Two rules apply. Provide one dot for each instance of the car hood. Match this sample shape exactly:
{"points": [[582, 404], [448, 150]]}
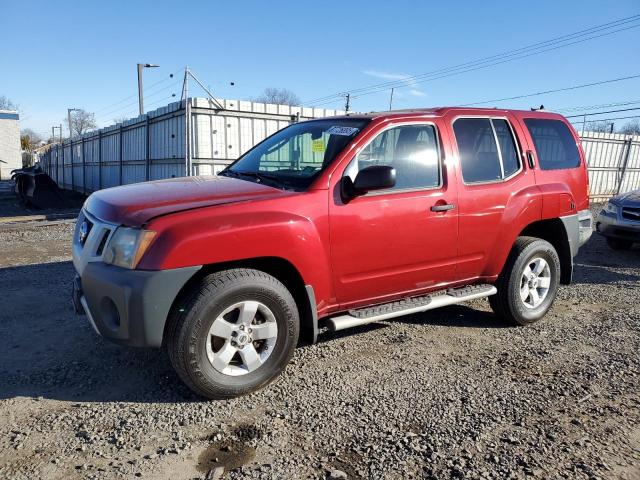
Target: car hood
{"points": [[629, 199], [134, 205]]}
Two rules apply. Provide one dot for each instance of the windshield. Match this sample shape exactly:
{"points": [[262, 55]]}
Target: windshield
{"points": [[295, 155]]}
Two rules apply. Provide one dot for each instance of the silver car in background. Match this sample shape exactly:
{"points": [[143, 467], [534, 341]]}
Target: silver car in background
{"points": [[619, 220]]}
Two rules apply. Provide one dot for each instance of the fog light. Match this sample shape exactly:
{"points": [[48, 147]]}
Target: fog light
{"points": [[110, 314]]}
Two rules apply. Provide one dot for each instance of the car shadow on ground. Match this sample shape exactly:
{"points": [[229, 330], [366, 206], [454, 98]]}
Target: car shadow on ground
{"points": [[590, 269], [47, 351]]}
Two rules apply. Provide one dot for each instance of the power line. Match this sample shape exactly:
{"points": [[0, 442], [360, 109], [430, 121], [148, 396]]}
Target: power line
{"points": [[133, 113], [607, 119], [574, 87], [503, 61], [478, 64], [602, 113], [112, 112], [523, 52], [135, 95], [593, 107]]}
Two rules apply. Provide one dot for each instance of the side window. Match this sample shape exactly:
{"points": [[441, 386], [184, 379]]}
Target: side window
{"points": [[507, 146], [487, 149], [555, 146], [411, 149]]}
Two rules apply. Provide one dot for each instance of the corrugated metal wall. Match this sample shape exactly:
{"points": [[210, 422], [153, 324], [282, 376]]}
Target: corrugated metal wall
{"points": [[152, 146]]}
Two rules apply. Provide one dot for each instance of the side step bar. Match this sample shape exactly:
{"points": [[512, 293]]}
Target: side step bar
{"points": [[384, 312]]}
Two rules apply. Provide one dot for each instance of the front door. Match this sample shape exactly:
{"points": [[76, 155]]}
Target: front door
{"points": [[402, 240]]}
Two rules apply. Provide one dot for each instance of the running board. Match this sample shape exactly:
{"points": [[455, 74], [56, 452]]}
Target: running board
{"points": [[408, 306]]}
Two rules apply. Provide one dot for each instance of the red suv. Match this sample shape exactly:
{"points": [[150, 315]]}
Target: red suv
{"points": [[336, 222]]}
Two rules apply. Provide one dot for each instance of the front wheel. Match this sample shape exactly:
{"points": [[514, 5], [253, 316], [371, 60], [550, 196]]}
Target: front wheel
{"points": [[233, 334], [528, 283]]}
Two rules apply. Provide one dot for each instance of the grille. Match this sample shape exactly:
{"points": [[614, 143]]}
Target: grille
{"points": [[96, 237], [631, 213]]}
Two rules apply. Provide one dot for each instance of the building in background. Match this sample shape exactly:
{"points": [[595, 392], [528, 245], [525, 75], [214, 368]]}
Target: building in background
{"points": [[10, 156]]}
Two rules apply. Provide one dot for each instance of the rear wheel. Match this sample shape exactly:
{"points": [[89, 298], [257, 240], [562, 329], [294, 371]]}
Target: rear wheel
{"points": [[619, 243], [233, 334], [528, 283]]}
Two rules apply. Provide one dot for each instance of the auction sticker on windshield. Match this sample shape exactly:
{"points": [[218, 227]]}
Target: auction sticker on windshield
{"points": [[317, 145], [345, 131]]}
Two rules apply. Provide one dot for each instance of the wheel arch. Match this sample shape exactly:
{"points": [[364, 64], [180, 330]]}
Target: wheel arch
{"points": [[554, 231], [277, 267]]}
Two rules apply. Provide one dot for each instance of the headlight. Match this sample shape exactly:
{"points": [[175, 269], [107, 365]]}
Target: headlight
{"points": [[611, 208], [127, 245]]}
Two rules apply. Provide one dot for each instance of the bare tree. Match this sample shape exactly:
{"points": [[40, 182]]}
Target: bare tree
{"points": [[598, 126], [279, 96], [120, 119], [6, 104], [632, 127], [29, 140], [81, 122]]}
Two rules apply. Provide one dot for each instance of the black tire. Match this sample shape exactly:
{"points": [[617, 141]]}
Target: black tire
{"points": [[507, 303], [619, 243], [192, 317]]}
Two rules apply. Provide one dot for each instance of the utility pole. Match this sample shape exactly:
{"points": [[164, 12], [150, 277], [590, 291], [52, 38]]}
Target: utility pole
{"points": [[346, 105], [611, 129], [140, 67], [185, 84], [69, 110], [53, 133], [187, 114], [391, 99]]}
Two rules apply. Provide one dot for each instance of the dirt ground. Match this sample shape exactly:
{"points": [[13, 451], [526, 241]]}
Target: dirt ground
{"points": [[450, 393]]}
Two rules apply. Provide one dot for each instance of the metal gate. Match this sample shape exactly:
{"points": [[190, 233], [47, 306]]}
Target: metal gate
{"points": [[613, 162]]}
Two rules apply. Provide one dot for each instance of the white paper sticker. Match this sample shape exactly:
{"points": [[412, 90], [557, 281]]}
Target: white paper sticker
{"points": [[345, 131]]}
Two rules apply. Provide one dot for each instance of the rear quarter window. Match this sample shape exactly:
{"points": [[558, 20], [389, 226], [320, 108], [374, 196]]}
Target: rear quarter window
{"points": [[556, 147]]}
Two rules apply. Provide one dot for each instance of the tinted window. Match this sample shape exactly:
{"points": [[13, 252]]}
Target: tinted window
{"points": [[481, 158], [478, 151], [555, 146], [411, 149], [507, 146]]}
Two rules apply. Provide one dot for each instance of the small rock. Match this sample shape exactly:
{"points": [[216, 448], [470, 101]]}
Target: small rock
{"points": [[215, 473], [337, 474]]}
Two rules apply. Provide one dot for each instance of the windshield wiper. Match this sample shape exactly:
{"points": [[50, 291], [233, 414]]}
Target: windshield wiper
{"points": [[261, 177]]}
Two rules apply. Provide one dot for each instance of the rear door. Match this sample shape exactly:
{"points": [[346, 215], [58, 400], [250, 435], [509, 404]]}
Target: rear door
{"points": [[492, 191], [393, 242]]}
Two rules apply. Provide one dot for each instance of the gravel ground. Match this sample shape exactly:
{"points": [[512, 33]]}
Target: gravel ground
{"points": [[450, 393]]}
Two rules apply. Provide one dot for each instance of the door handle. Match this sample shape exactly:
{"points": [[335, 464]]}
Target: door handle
{"points": [[530, 159], [443, 208]]}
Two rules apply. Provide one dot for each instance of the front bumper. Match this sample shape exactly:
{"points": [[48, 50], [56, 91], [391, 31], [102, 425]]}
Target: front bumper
{"points": [[129, 307], [611, 225]]}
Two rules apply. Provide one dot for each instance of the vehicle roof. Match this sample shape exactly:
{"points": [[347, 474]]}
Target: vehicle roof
{"points": [[441, 111]]}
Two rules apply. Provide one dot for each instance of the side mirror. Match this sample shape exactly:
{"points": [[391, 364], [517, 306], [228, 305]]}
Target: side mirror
{"points": [[376, 177]]}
